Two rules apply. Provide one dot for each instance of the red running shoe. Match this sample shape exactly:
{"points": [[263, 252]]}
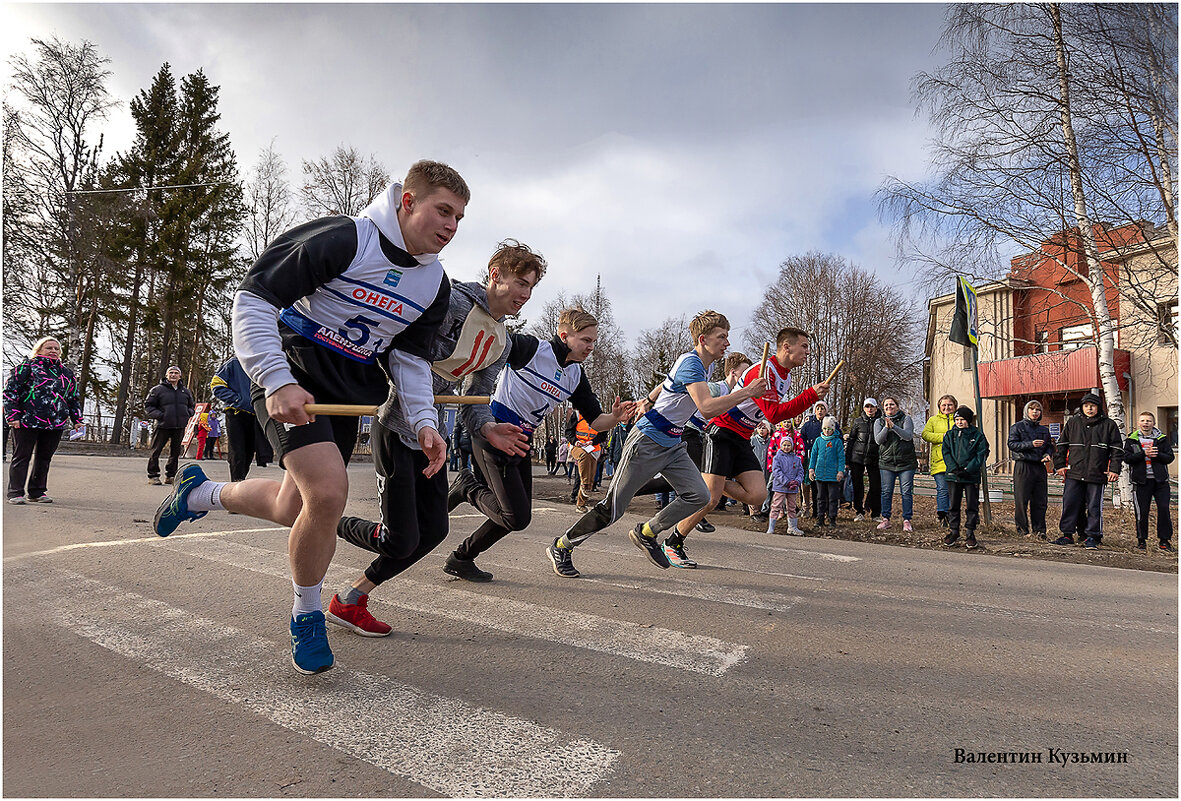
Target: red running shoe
{"points": [[356, 617]]}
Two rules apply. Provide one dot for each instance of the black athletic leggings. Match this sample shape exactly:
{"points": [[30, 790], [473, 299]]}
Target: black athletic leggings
{"points": [[505, 497], [413, 509]]}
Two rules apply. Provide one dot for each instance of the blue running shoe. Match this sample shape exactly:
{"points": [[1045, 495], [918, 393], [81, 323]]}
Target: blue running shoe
{"points": [[175, 509], [309, 644]]}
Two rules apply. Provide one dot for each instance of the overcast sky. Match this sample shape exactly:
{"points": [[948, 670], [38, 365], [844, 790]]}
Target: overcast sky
{"points": [[682, 151]]}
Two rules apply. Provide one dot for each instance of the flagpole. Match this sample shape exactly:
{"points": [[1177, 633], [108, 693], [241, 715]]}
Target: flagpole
{"points": [[986, 501]]}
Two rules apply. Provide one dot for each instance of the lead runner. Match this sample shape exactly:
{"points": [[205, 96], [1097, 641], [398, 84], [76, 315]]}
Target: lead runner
{"points": [[323, 305]]}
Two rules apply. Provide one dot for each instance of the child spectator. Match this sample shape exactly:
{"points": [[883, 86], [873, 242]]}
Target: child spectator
{"points": [[826, 467], [1032, 449], [787, 475], [1088, 455], [965, 452], [1148, 454]]}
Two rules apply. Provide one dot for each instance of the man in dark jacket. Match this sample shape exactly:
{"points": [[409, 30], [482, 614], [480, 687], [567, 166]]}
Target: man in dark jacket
{"points": [[1032, 449], [1088, 455], [171, 405], [247, 440], [861, 453], [965, 453], [1148, 454]]}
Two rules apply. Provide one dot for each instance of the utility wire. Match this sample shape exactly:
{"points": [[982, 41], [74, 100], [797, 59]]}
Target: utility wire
{"points": [[145, 188]]}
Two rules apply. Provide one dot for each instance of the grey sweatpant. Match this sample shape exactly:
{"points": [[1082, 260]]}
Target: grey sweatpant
{"points": [[642, 459]]}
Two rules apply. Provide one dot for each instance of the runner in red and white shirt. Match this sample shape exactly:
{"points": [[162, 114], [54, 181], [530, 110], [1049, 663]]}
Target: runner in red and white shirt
{"points": [[729, 466]]}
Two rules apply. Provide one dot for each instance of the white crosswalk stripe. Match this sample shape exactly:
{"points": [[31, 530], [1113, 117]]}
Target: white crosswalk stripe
{"points": [[676, 649], [443, 744]]}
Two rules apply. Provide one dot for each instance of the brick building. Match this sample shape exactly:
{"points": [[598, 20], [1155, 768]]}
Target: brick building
{"points": [[1037, 340]]}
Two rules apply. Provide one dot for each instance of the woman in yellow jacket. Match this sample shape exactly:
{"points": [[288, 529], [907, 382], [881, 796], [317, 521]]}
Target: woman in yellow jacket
{"points": [[938, 425]]}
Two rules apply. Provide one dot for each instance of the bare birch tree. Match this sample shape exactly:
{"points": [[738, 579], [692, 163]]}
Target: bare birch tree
{"points": [[1050, 119]]}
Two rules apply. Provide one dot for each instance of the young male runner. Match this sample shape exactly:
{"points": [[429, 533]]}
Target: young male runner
{"points": [[654, 445], [323, 305], [538, 376], [472, 344], [730, 464], [735, 366]]}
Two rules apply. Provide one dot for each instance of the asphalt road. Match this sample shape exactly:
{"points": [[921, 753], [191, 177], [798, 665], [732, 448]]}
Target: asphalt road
{"points": [[782, 667]]}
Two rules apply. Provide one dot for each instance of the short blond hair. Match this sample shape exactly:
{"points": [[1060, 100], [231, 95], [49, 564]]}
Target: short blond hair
{"points": [[705, 322], [576, 319], [33, 352], [426, 175]]}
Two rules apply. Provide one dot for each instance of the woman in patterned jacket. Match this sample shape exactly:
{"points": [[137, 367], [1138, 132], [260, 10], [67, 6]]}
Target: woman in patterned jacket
{"points": [[40, 401]]}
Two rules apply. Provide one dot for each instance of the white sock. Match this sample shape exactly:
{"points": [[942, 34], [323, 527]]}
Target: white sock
{"points": [[307, 599], [206, 497]]}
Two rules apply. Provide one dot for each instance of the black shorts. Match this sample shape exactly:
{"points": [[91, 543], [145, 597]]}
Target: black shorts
{"points": [[728, 454], [330, 379]]}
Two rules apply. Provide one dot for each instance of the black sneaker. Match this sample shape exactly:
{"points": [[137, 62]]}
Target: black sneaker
{"points": [[970, 542], [1065, 539], [465, 569], [560, 558], [650, 546], [1041, 535], [1091, 544], [706, 527], [949, 539], [1141, 545], [1166, 546], [459, 489]]}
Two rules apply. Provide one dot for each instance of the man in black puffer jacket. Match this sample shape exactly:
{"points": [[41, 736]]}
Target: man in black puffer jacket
{"points": [[1088, 455], [861, 456], [171, 405], [1032, 449]]}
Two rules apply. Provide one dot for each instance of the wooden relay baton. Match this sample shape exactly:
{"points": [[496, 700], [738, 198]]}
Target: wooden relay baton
{"points": [[763, 364], [833, 374], [351, 410]]}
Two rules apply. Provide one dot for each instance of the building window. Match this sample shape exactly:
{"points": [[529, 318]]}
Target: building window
{"points": [[1043, 341], [1076, 336], [967, 357], [1166, 316]]}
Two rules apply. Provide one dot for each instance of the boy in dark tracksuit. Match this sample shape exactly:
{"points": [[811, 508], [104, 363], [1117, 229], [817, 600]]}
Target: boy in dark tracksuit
{"points": [[1032, 448], [1148, 454], [1088, 455], [965, 452]]}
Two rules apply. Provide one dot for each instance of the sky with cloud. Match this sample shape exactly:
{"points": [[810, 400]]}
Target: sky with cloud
{"points": [[679, 151]]}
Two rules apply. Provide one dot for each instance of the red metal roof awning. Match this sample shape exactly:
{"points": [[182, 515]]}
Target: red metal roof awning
{"points": [[1043, 373]]}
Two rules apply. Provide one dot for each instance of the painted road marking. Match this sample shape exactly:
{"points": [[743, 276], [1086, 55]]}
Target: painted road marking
{"points": [[686, 589], [677, 649], [830, 557], [109, 543], [443, 744]]}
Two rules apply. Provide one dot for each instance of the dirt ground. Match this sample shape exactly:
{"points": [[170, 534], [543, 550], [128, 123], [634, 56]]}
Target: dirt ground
{"points": [[999, 538]]}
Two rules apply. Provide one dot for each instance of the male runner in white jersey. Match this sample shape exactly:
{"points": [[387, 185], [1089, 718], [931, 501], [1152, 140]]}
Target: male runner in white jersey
{"points": [[325, 305], [539, 375], [736, 365], [654, 446], [730, 465], [471, 347]]}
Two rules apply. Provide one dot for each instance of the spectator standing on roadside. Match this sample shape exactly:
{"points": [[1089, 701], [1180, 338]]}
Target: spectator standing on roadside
{"points": [[246, 438], [965, 454], [1148, 454], [551, 456], [861, 456], [171, 405], [787, 476], [897, 460], [759, 442], [1088, 455], [810, 431], [933, 432], [826, 469], [40, 402], [564, 458], [213, 438], [1033, 451]]}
